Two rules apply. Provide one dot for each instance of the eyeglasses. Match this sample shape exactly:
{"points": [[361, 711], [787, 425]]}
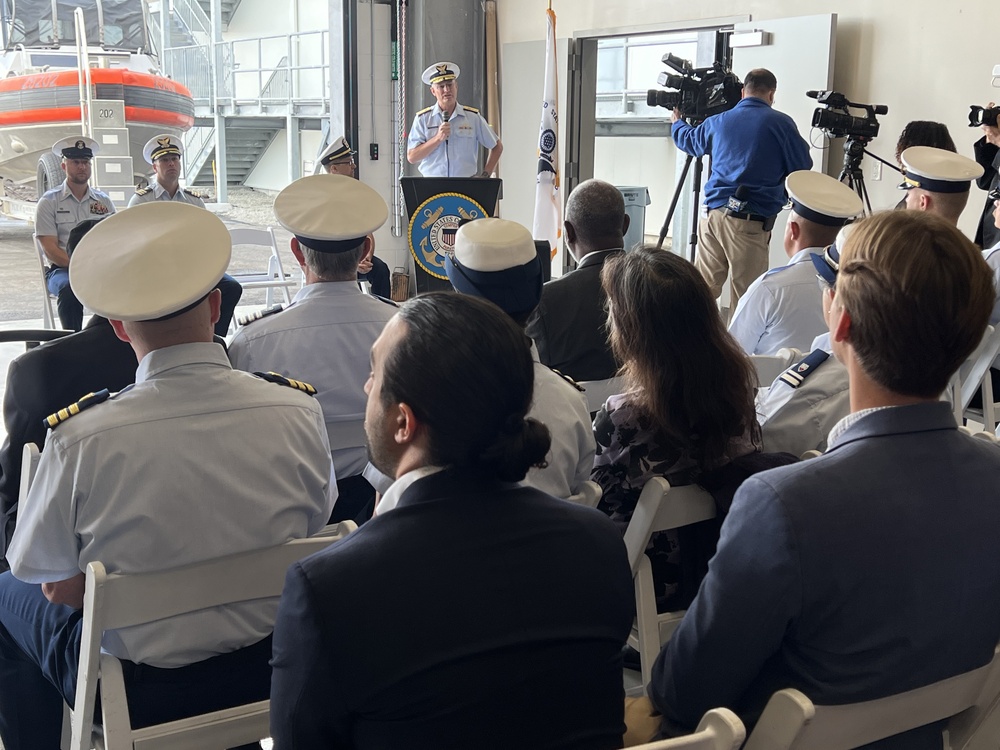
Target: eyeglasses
{"points": [[994, 194]]}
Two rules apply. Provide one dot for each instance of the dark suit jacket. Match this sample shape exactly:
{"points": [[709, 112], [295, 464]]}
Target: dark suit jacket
{"points": [[569, 325], [869, 571], [474, 614], [48, 378]]}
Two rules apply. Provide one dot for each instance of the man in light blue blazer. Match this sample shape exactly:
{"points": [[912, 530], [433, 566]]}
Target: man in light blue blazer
{"points": [[873, 569]]}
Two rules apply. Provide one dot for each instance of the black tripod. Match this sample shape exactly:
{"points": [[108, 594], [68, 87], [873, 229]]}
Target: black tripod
{"points": [[852, 174], [696, 190]]}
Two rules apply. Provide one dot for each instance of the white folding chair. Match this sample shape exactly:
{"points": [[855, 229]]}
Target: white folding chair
{"points": [[598, 391], [719, 729], [120, 600], [272, 278], [973, 375], [589, 494], [48, 312], [768, 367], [792, 722], [660, 507]]}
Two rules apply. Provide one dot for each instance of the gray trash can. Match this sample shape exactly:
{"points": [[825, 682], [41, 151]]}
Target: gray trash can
{"points": [[636, 200]]}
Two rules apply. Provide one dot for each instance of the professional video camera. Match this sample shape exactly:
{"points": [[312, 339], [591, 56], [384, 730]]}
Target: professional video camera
{"points": [[837, 122], [983, 116], [701, 92]]}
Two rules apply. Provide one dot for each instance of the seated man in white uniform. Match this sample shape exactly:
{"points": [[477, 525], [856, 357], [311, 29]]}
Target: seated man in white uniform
{"points": [[193, 462], [496, 259], [804, 403], [938, 181], [326, 334], [782, 307]]}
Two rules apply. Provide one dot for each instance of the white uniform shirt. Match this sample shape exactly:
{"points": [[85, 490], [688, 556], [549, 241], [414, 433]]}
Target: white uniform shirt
{"points": [[796, 420], [459, 155], [195, 461], [323, 338], [781, 309], [58, 211], [563, 409], [156, 192]]}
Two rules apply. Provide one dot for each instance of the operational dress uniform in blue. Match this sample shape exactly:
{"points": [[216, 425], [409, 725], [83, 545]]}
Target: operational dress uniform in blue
{"points": [[459, 155], [193, 462], [56, 213], [326, 334], [802, 405]]}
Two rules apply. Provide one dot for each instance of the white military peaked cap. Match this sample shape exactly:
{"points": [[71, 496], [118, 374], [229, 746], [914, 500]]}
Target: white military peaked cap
{"points": [[339, 149], [442, 71], [822, 199], [162, 145], [152, 261], [937, 170], [330, 213]]}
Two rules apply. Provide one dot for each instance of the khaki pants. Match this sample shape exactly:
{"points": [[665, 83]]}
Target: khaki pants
{"points": [[725, 242]]}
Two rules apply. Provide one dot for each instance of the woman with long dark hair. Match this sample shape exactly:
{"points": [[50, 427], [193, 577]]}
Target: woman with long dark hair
{"points": [[688, 404]]}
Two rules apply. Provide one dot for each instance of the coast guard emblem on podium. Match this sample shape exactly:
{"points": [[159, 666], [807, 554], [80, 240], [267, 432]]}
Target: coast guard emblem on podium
{"points": [[433, 228]]}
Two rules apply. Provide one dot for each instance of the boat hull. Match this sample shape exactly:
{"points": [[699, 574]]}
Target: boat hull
{"points": [[39, 109]]}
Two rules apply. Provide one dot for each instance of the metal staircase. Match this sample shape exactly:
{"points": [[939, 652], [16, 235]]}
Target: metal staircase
{"points": [[247, 138], [228, 9]]}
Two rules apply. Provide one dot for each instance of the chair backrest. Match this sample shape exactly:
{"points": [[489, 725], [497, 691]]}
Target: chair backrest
{"points": [[768, 367], [719, 729], [48, 315], [589, 494], [791, 722], [29, 465], [598, 391], [273, 277], [120, 600], [32, 337], [973, 371], [660, 507]]}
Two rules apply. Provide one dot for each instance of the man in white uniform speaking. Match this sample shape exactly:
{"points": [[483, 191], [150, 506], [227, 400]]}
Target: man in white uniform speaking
{"points": [[445, 139], [193, 462]]}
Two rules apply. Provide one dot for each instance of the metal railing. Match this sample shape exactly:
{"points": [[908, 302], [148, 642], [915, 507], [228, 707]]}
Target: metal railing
{"points": [[301, 73]]}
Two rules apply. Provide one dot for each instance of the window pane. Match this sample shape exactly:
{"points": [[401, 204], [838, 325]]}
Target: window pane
{"points": [[610, 69]]}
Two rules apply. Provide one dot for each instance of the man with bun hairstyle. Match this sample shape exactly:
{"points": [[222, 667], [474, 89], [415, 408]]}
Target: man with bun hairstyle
{"points": [[193, 462], [822, 580], [471, 611]]}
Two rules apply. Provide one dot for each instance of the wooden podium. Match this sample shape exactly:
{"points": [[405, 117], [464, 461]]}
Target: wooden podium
{"points": [[436, 207]]}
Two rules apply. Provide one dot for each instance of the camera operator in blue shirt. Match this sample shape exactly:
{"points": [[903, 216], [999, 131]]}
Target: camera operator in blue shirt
{"points": [[753, 149]]}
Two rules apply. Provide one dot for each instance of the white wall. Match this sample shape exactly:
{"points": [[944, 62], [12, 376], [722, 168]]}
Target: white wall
{"points": [[648, 162], [374, 55], [925, 59], [271, 172]]}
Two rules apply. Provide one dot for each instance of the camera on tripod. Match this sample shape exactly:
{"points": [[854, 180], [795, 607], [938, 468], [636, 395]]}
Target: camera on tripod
{"points": [[983, 116], [837, 122], [701, 92]]}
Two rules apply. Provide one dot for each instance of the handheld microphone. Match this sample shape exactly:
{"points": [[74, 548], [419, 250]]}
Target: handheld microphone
{"points": [[445, 116], [738, 202]]}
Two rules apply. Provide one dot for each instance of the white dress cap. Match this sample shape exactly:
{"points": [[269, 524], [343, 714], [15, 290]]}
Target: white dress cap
{"points": [[937, 170], [161, 145], [487, 245], [442, 71], [76, 147], [338, 149], [330, 208], [150, 261], [822, 199]]}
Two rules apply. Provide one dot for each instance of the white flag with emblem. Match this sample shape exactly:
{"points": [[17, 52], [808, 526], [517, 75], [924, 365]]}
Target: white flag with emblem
{"points": [[548, 201]]}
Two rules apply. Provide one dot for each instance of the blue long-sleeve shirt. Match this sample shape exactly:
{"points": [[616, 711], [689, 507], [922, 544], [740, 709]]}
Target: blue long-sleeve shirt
{"points": [[753, 145]]}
